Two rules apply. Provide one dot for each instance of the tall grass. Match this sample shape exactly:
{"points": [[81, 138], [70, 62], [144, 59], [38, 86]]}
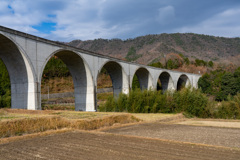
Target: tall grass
{"points": [[31, 125], [190, 101], [140, 102], [34, 125]]}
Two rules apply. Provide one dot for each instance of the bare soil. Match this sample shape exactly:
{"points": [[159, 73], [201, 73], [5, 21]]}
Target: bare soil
{"points": [[217, 136], [212, 123], [170, 137], [88, 145]]}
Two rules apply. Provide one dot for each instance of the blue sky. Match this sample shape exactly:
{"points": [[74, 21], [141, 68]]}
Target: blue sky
{"points": [[66, 20]]}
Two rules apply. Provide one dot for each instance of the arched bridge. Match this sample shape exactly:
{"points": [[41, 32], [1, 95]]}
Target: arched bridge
{"points": [[26, 56]]}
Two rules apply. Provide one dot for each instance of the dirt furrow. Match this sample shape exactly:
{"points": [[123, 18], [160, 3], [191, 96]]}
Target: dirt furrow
{"points": [[93, 145]]}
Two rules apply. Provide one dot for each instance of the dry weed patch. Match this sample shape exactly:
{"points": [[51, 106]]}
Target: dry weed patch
{"points": [[58, 120], [103, 122], [153, 117], [31, 125]]}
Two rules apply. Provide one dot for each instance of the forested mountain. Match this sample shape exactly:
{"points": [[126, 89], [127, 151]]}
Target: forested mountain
{"points": [[152, 48]]}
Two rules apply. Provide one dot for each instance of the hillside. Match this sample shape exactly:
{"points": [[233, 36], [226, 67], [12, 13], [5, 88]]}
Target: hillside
{"points": [[152, 48]]}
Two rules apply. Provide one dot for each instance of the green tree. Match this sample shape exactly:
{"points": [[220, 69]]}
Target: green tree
{"points": [[204, 83], [132, 54], [210, 83], [5, 87], [199, 62], [228, 86], [55, 68], [172, 64], [135, 83], [157, 65], [210, 64], [186, 61], [237, 77]]}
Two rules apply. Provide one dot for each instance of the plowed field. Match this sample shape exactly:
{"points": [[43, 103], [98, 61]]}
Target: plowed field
{"points": [[94, 145], [217, 136]]}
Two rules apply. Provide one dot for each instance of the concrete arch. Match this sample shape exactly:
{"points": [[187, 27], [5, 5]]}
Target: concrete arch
{"points": [[118, 77], [144, 77], [166, 81], [24, 94], [183, 81], [82, 79]]}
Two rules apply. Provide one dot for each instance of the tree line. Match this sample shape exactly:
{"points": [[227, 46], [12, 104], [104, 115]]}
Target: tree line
{"points": [[220, 84], [190, 102]]}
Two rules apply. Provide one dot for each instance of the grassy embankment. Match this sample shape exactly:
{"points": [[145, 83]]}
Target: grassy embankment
{"points": [[18, 122]]}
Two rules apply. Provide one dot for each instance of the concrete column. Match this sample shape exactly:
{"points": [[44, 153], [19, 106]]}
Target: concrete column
{"points": [[23, 88], [82, 79]]}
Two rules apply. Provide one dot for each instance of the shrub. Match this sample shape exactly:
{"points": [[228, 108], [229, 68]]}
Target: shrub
{"points": [[228, 110], [191, 101], [5, 87], [5, 100]]}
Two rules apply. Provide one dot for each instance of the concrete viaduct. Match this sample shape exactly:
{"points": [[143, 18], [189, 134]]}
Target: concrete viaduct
{"points": [[26, 56]]}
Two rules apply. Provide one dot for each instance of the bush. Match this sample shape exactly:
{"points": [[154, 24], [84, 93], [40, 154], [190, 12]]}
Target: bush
{"points": [[5, 100], [220, 83], [55, 68], [191, 101], [109, 106], [228, 110], [5, 87]]}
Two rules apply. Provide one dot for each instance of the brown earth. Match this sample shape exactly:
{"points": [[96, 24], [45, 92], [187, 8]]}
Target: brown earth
{"points": [[89, 145], [65, 84], [170, 137], [217, 136]]}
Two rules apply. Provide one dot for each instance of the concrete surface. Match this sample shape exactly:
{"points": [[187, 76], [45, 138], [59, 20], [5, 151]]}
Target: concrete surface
{"points": [[26, 56]]}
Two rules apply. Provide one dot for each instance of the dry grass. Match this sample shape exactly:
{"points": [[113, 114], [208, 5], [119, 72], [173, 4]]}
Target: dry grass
{"points": [[104, 81], [153, 117], [57, 85], [65, 84], [11, 114], [103, 122], [104, 96], [212, 122], [192, 69], [58, 107], [15, 122], [26, 122], [31, 125]]}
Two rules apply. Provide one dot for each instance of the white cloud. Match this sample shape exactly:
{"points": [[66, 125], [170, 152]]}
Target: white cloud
{"points": [[21, 15], [222, 24], [90, 19]]}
